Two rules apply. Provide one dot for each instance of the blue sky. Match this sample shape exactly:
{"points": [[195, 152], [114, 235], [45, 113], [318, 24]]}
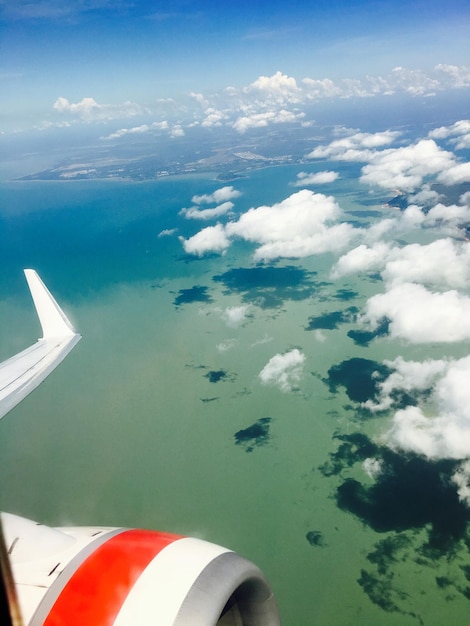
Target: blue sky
{"points": [[123, 50]]}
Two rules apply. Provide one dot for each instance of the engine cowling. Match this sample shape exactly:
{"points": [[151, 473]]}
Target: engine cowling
{"points": [[126, 577]]}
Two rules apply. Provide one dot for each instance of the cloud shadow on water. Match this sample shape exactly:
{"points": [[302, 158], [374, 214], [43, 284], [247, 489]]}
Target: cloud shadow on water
{"points": [[332, 320], [409, 494], [215, 376], [360, 378], [269, 286], [364, 337], [196, 293], [255, 435]]}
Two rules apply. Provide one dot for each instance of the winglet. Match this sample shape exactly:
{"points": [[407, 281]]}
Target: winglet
{"points": [[24, 371], [54, 322]]}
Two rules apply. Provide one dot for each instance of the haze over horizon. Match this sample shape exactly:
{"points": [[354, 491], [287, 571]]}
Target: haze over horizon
{"points": [[212, 63]]}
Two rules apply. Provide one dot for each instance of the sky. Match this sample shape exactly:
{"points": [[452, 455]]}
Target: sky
{"points": [[131, 54]]}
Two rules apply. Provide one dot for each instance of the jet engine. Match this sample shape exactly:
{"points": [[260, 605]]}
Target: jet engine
{"points": [[126, 577]]}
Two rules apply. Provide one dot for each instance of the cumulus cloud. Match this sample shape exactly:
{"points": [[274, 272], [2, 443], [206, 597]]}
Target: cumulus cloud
{"points": [[360, 259], [210, 239], [301, 225], [414, 82], [407, 376], [167, 232], [138, 130], [278, 87], [196, 213], [419, 315], [177, 131], [405, 168], [318, 178], [462, 479], [444, 262], [220, 195], [90, 110], [356, 147], [459, 134], [455, 175], [213, 118], [283, 370], [236, 315], [260, 120], [225, 346], [447, 434]]}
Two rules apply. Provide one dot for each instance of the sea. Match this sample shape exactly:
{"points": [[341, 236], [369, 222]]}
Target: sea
{"points": [[159, 419]]}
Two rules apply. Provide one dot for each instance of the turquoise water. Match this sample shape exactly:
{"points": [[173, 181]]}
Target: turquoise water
{"points": [[147, 422]]}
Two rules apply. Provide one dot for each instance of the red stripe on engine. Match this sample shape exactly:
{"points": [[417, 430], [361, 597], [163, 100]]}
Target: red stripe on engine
{"points": [[97, 590]]}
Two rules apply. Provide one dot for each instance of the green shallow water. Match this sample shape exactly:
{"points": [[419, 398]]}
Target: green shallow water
{"points": [[131, 431]]}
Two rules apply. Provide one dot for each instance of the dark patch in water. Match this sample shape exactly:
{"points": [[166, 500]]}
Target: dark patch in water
{"points": [[216, 376], [345, 295], [364, 337], [268, 286], [206, 400], [410, 492], [380, 591], [355, 447], [255, 435], [196, 293], [387, 552], [360, 377], [315, 538], [331, 321], [443, 582]]}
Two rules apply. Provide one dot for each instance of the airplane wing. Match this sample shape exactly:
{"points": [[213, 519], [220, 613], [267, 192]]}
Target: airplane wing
{"points": [[23, 372]]}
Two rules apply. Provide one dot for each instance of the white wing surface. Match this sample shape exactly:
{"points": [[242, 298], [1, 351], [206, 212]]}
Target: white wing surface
{"points": [[23, 372]]}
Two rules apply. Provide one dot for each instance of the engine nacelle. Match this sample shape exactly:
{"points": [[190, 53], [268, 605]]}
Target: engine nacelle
{"points": [[126, 577]]}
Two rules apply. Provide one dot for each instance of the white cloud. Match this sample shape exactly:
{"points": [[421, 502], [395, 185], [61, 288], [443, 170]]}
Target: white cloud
{"points": [[90, 110], [278, 87], [421, 316], [318, 178], [455, 175], [213, 118], [425, 196], [405, 168], [283, 370], [260, 120], [407, 376], [220, 195], [462, 479], [372, 467], [447, 215], [360, 259], [356, 147], [446, 435], [465, 199], [136, 130], [210, 239], [462, 127], [167, 232], [444, 262], [301, 225], [225, 346], [177, 131], [236, 315], [196, 213]]}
